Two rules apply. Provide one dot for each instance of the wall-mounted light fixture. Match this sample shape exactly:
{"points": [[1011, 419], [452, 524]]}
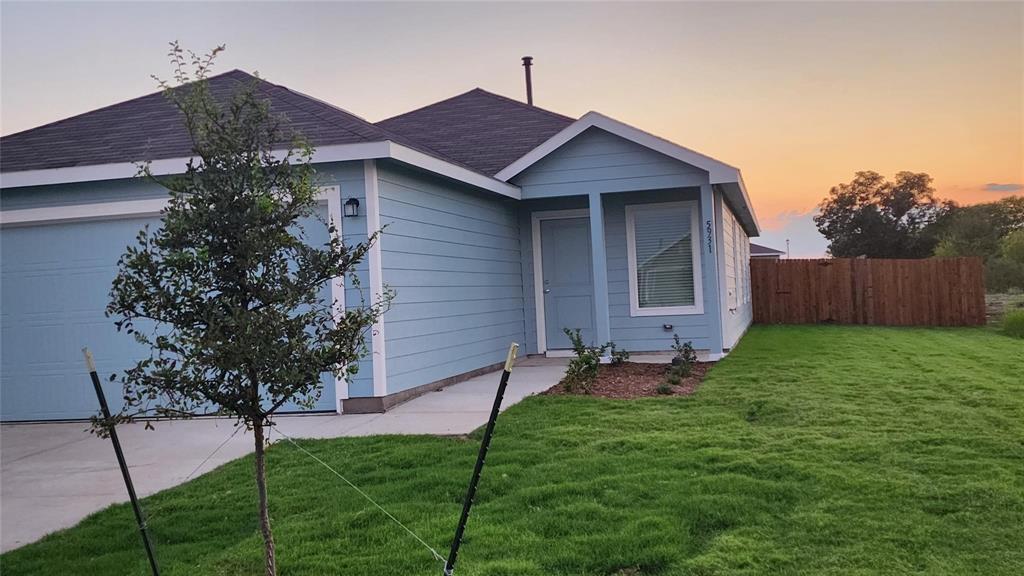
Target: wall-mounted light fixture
{"points": [[351, 207]]}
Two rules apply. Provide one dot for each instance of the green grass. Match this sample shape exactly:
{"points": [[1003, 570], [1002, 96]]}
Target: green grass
{"points": [[809, 450]]}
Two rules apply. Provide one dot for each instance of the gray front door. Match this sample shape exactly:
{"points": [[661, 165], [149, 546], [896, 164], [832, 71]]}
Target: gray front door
{"points": [[568, 281]]}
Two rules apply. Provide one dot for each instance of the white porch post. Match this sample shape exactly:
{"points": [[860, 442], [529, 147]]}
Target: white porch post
{"points": [[599, 265], [377, 340], [711, 237]]}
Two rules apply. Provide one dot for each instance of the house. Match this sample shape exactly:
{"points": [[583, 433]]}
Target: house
{"points": [[506, 222], [764, 252]]}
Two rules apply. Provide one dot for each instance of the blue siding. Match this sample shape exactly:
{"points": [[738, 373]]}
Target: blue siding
{"points": [[452, 256], [598, 161]]}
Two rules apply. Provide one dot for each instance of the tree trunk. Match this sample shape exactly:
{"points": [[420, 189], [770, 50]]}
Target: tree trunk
{"points": [[261, 487]]}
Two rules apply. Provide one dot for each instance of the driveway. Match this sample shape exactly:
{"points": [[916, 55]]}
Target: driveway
{"points": [[54, 475]]}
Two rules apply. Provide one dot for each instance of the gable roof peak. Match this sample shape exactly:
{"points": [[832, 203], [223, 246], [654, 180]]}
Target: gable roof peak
{"points": [[480, 129]]}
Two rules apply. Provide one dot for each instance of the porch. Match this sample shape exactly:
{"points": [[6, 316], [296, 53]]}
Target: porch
{"points": [[632, 267]]}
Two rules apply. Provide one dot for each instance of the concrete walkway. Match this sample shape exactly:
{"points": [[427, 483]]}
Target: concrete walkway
{"points": [[54, 475]]}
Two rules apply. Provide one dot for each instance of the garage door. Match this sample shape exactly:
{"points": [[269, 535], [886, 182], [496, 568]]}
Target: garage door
{"points": [[54, 286]]}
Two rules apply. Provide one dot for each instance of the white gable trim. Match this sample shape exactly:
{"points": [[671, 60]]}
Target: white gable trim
{"points": [[336, 153], [437, 166], [718, 172]]}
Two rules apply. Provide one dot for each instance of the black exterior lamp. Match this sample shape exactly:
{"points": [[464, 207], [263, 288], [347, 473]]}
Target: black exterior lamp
{"points": [[351, 208]]}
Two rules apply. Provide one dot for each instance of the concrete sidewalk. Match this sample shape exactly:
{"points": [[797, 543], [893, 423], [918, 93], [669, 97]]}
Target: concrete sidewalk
{"points": [[53, 475]]}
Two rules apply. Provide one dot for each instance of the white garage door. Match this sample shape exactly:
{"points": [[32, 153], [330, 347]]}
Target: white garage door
{"points": [[54, 286]]}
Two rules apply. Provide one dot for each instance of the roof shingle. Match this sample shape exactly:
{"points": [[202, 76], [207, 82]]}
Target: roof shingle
{"points": [[479, 129], [151, 128]]}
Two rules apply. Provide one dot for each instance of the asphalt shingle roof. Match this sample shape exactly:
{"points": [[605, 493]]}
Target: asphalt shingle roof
{"points": [[757, 249], [150, 128], [479, 129]]}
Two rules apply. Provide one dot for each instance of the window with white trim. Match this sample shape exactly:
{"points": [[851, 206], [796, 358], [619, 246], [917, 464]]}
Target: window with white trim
{"points": [[745, 264], [663, 249]]}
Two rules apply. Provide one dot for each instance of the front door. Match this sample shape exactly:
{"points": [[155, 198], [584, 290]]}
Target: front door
{"points": [[568, 280]]}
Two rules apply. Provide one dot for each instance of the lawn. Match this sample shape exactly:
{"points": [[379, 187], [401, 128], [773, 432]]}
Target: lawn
{"points": [[809, 450]]}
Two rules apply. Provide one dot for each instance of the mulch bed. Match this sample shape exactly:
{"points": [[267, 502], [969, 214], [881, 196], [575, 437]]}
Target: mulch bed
{"points": [[636, 380]]}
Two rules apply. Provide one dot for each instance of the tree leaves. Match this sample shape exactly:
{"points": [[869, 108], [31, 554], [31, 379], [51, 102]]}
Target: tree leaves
{"points": [[226, 294], [872, 217]]}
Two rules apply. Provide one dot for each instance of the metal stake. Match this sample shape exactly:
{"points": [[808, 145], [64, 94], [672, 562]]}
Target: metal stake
{"points": [[449, 566], [120, 460]]}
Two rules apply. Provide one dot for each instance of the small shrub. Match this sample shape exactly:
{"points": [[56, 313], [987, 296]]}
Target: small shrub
{"points": [[685, 357], [618, 356], [582, 370], [1013, 324], [674, 378], [664, 389]]}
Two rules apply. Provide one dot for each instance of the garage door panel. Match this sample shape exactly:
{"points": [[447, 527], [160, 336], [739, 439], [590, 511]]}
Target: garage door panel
{"points": [[55, 288], [32, 293]]}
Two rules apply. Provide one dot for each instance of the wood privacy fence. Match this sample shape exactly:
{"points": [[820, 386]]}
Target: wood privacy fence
{"points": [[930, 292]]}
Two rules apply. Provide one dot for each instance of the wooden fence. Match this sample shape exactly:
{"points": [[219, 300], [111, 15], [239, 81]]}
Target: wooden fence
{"points": [[931, 292]]}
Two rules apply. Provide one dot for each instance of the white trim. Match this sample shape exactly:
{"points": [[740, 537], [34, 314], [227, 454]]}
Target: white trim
{"points": [[719, 171], [334, 216], [538, 267], [335, 153], [695, 244], [98, 211], [437, 166], [378, 342], [165, 166], [72, 212]]}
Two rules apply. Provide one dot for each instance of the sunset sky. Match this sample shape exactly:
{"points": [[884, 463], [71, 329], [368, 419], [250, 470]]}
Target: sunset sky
{"points": [[797, 95]]}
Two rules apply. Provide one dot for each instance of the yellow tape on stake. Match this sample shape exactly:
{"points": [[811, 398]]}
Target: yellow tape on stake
{"points": [[512, 350]]}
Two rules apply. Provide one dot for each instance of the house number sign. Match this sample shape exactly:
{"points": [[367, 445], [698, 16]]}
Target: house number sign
{"points": [[708, 226]]}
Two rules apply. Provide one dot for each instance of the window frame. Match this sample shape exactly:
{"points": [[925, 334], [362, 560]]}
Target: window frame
{"points": [[695, 243]]}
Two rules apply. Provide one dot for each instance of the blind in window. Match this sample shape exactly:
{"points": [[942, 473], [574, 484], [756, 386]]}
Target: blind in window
{"points": [[664, 257]]}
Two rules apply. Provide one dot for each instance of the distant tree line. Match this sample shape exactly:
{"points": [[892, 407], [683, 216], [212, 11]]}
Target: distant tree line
{"points": [[873, 217]]}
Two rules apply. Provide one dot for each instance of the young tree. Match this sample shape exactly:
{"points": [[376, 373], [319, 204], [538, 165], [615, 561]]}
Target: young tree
{"points": [[227, 292], [873, 217]]}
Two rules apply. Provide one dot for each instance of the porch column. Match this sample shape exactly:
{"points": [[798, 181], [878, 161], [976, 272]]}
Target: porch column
{"points": [[711, 237], [599, 264]]}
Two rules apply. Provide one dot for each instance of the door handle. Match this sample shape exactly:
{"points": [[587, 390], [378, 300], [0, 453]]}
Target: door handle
{"points": [[547, 290]]}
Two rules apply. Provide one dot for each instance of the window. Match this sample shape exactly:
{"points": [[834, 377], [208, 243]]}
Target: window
{"points": [[730, 245], [662, 245], [745, 263]]}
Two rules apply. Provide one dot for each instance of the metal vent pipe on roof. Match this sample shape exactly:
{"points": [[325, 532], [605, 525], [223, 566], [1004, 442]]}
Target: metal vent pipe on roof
{"points": [[527, 63]]}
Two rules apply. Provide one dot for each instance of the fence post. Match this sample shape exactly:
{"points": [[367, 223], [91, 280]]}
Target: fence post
{"points": [[485, 444], [91, 365]]}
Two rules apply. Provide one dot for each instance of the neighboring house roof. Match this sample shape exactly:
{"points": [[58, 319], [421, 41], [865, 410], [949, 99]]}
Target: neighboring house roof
{"points": [[479, 129], [756, 250], [150, 128]]}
